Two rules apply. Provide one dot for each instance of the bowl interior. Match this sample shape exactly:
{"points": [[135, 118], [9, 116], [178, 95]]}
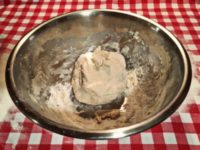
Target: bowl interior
{"points": [[44, 59]]}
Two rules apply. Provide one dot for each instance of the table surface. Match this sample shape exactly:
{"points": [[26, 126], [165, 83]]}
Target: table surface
{"points": [[180, 131]]}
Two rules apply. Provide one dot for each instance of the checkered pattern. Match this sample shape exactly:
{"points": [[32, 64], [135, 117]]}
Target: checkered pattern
{"points": [[180, 131]]}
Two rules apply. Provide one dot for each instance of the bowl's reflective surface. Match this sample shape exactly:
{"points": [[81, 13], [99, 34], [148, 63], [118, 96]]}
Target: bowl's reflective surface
{"points": [[77, 32]]}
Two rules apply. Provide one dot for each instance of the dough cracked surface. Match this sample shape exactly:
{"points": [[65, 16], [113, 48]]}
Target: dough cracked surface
{"points": [[99, 77]]}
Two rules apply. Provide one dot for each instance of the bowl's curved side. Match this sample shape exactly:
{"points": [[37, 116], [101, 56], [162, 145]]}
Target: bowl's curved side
{"points": [[100, 134]]}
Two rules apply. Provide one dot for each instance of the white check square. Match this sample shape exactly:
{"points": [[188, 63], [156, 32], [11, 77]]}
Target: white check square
{"points": [[189, 13], [79, 6], [38, 21], [140, 12], [168, 120], [44, 6], [16, 37], [177, 13], [53, 14], [193, 47], [13, 138], [25, 20], [101, 142], [181, 20], [175, 5], [193, 20], [186, 118], [2, 18], [125, 140], [56, 139], [13, 20], [21, 6], [167, 20], [147, 138], [29, 14], [78, 141], [152, 13], [170, 28], [8, 28], [19, 117], [150, 5], [162, 5], [6, 12], [126, 6], [91, 6], [115, 6], [11, 46], [197, 28], [187, 37], [197, 6], [186, 5], [155, 19], [21, 28], [68, 6], [32, 6], [18, 13], [170, 138], [56, 7], [192, 139], [35, 138], [164, 13], [183, 28], [103, 6], [197, 98], [42, 14], [138, 6]]}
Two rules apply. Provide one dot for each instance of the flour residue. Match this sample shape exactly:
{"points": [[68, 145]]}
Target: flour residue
{"points": [[60, 97]]}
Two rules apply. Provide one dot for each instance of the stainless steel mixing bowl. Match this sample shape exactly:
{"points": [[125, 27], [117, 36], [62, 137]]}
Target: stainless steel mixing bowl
{"points": [[74, 33]]}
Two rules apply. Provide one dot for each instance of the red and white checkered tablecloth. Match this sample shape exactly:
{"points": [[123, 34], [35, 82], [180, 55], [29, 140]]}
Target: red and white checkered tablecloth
{"points": [[180, 131]]}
